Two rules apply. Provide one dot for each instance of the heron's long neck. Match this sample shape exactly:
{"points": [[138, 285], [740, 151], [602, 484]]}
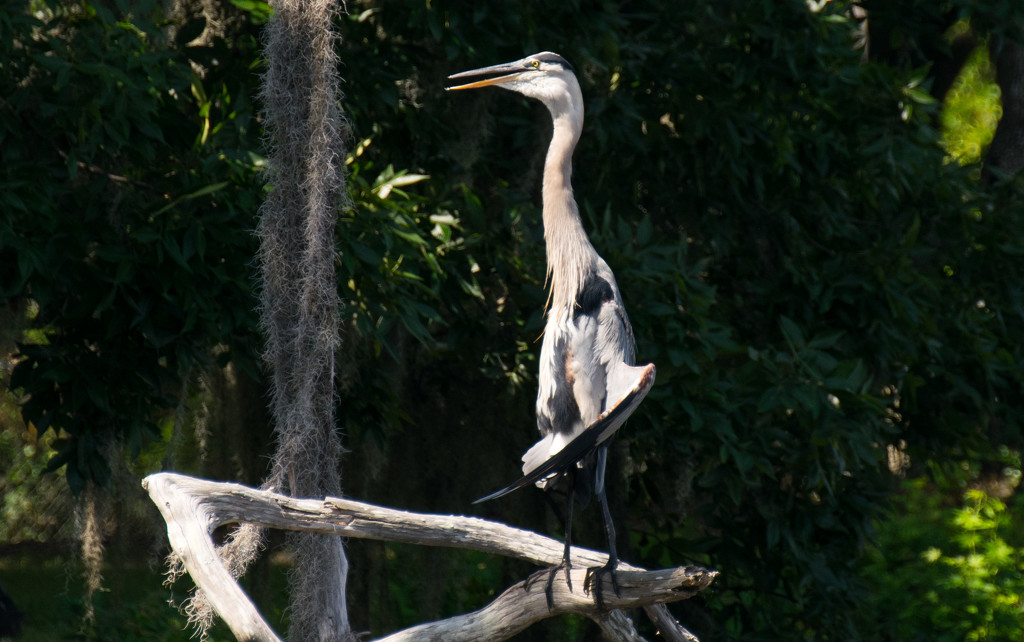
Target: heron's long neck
{"points": [[569, 252]]}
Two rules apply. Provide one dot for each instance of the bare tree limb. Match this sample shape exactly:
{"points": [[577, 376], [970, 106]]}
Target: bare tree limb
{"points": [[616, 625], [667, 626], [193, 508], [190, 521], [524, 603]]}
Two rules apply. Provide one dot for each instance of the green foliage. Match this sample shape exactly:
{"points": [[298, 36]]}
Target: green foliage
{"points": [[129, 181], [31, 508], [389, 251], [134, 607], [945, 571], [971, 110]]}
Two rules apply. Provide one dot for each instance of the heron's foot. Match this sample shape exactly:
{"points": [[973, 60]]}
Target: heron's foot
{"points": [[592, 582], [550, 583], [549, 588], [533, 578]]}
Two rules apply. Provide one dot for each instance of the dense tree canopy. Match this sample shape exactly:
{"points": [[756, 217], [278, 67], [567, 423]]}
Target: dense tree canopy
{"points": [[828, 299]]}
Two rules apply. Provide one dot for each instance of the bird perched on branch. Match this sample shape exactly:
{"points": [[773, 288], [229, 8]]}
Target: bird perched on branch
{"points": [[588, 383]]}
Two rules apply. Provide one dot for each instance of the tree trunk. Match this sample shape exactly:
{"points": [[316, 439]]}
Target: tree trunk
{"points": [[1006, 153]]}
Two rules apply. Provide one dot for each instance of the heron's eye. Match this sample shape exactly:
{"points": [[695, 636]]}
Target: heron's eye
{"points": [[535, 64]]}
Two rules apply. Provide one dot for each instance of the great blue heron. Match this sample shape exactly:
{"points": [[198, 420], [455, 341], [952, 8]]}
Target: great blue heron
{"points": [[588, 383]]}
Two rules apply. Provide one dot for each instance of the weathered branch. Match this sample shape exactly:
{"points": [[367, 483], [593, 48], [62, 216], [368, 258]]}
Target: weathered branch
{"points": [[190, 521], [525, 603], [193, 508]]}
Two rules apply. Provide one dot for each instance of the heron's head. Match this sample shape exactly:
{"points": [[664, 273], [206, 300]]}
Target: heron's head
{"points": [[545, 76]]}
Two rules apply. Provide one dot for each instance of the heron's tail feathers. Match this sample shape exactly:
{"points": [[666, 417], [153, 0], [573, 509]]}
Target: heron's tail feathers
{"points": [[538, 454], [586, 442]]}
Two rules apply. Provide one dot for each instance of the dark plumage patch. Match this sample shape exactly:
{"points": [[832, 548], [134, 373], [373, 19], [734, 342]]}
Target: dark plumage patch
{"points": [[554, 59], [596, 291], [544, 423], [565, 413]]}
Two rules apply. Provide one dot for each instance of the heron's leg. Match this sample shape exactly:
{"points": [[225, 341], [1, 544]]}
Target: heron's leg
{"points": [[566, 562], [609, 529], [593, 579]]}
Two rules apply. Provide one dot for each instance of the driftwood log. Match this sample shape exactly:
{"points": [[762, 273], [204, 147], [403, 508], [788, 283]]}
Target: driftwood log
{"points": [[193, 508]]}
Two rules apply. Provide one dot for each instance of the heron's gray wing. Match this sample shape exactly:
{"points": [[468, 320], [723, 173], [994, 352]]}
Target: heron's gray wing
{"points": [[597, 338], [586, 365], [593, 436]]}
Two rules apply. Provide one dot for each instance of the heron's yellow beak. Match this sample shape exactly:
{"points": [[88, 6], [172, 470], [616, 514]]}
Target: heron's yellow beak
{"points": [[512, 71], [484, 83]]}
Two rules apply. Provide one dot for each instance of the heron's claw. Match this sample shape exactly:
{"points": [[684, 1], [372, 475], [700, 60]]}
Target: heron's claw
{"points": [[592, 582], [550, 583]]}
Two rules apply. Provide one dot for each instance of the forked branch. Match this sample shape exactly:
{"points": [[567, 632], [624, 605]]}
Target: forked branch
{"points": [[524, 603], [193, 508]]}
